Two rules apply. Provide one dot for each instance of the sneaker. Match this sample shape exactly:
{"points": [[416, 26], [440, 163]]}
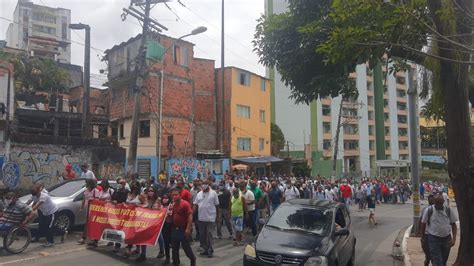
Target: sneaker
{"points": [[141, 258], [160, 255], [48, 245], [209, 255], [81, 241]]}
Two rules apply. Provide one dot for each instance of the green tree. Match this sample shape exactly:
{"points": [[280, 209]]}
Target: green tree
{"points": [[302, 170], [277, 139], [33, 73], [317, 43]]}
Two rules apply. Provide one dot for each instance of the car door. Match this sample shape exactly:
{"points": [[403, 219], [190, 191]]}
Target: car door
{"points": [[76, 205], [349, 243], [343, 250]]}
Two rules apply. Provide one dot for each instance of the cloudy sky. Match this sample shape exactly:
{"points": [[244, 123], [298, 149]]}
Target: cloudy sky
{"points": [[107, 28]]}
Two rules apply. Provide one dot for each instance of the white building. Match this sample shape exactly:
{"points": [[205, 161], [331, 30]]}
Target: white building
{"points": [[316, 124], [40, 30]]}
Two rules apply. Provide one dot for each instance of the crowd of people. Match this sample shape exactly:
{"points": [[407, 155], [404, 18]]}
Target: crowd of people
{"points": [[238, 202]]}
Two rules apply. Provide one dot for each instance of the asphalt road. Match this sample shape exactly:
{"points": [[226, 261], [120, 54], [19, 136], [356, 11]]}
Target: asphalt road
{"points": [[374, 245]]}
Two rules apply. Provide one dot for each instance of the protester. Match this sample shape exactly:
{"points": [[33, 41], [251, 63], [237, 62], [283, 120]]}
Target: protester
{"points": [[239, 211], [346, 193], [276, 197], [15, 213], [206, 203], [424, 237], [264, 204], [257, 193], [194, 191], [440, 223], [371, 202], [250, 202], [223, 214], [182, 228], [86, 173], [291, 192], [69, 173], [90, 193], [166, 230], [47, 213]]}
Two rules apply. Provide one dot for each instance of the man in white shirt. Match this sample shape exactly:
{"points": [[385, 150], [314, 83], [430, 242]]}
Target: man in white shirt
{"points": [[291, 192], [206, 204], [47, 211], [250, 201], [86, 173]]}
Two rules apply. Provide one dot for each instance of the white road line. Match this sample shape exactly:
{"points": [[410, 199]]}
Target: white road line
{"points": [[39, 256]]}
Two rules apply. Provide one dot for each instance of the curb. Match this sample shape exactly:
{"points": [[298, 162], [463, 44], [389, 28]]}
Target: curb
{"points": [[406, 257]]}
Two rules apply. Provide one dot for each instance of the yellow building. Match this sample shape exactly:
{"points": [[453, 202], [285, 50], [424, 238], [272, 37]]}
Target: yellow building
{"points": [[246, 113]]}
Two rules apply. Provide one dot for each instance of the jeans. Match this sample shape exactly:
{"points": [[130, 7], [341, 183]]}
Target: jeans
{"points": [[205, 232], [46, 226], [224, 214], [178, 239], [5, 227], [274, 206], [251, 222], [426, 249], [195, 221], [439, 249]]}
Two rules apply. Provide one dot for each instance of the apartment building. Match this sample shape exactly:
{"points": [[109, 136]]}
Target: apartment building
{"points": [[41, 31], [246, 113]]}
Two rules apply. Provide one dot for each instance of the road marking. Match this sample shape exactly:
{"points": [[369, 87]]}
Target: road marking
{"points": [[39, 257]]}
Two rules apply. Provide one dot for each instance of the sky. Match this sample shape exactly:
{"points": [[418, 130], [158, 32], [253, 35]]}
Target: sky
{"points": [[108, 29]]}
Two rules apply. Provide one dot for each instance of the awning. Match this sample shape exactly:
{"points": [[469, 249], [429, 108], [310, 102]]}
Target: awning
{"points": [[258, 160], [392, 163], [240, 167]]}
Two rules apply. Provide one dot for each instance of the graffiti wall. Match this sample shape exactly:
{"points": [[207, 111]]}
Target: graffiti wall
{"points": [[24, 165], [192, 168]]}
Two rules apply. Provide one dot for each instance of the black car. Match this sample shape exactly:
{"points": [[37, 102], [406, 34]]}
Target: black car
{"points": [[305, 232]]}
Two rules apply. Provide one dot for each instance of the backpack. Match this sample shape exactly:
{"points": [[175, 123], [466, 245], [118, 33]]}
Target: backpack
{"points": [[294, 190], [447, 210]]}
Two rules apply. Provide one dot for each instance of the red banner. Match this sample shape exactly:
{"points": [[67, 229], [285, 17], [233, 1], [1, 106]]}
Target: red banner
{"points": [[124, 223]]}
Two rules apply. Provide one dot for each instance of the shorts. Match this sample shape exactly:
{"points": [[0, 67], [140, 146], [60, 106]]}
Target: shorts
{"points": [[6, 226], [238, 223], [372, 210]]}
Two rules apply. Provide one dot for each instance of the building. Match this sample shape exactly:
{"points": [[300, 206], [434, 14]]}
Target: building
{"points": [[315, 125], [41, 31], [6, 74], [188, 102], [247, 113]]}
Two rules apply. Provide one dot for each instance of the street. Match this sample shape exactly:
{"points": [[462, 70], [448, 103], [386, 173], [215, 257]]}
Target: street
{"points": [[374, 245]]}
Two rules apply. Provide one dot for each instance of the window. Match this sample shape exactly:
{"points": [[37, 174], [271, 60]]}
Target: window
{"points": [[326, 127], [402, 106], [144, 168], [263, 84], [403, 145], [371, 130], [387, 144], [385, 88], [326, 144], [371, 115], [387, 131], [351, 145], [386, 117], [326, 110], [243, 111], [371, 145], [181, 55], [144, 128], [114, 132], [401, 80], [44, 29], [369, 86], [350, 129], [64, 28], [121, 135], [244, 78], [244, 144], [370, 101], [385, 103], [261, 144], [402, 132], [402, 119], [262, 116], [401, 93]]}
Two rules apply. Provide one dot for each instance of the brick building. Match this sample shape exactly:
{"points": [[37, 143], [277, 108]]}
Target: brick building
{"points": [[189, 116]]}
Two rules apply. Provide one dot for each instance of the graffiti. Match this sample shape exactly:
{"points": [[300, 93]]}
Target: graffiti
{"points": [[192, 168], [11, 175], [23, 168]]}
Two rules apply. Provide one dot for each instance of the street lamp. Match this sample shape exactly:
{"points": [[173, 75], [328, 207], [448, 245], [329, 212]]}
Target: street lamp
{"points": [[196, 31], [86, 82]]}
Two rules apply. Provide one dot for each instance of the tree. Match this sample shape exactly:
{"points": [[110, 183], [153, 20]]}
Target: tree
{"points": [[302, 170], [34, 73], [277, 139], [325, 40]]}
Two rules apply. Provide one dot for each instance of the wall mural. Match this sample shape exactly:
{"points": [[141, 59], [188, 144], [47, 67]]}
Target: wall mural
{"points": [[192, 168]]}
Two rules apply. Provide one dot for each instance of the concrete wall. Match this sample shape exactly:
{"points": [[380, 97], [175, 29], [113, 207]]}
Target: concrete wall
{"points": [[22, 165]]}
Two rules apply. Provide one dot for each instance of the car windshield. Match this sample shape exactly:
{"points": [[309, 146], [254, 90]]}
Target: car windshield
{"points": [[301, 218], [67, 189]]}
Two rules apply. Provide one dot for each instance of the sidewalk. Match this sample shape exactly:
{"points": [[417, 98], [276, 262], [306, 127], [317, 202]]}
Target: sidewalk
{"points": [[414, 253]]}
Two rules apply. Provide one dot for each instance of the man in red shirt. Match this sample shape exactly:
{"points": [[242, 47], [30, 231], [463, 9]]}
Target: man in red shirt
{"points": [[181, 227], [346, 193], [185, 194], [68, 172]]}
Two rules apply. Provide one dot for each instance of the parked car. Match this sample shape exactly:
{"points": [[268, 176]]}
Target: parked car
{"points": [[304, 232], [68, 196]]}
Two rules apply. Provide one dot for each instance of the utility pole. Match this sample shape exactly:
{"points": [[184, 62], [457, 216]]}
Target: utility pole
{"points": [[141, 72], [415, 175], [87, 81], [222, 115], [336, 143]]}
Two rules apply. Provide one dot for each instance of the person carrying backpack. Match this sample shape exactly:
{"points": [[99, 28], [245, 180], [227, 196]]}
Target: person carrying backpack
{"points": [[291, 192], [440, 224]]}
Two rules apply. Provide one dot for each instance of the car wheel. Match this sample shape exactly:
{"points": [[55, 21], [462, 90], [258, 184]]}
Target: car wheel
{"points": [[64, 222], [352, 260]]}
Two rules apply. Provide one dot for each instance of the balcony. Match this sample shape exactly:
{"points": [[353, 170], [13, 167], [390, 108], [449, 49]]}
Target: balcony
{"points": [[403, 138], [326, 118], [326, 101], [351, 153], [402, 125], [404, 152], [327, 136], [402, 112], [401, 99], [327, 153], [351, 136]]}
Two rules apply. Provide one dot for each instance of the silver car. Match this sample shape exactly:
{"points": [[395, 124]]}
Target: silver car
{"points": [[68, 197]]}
